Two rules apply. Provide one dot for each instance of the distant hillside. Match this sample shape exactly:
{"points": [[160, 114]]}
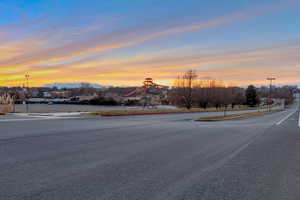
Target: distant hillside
{"points": [[74, 85]]}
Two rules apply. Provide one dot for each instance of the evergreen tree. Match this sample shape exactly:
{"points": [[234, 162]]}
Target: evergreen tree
{"points": [[251, 96]]}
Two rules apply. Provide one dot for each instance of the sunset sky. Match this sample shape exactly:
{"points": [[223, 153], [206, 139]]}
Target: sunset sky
{"points": [[120, 42]]}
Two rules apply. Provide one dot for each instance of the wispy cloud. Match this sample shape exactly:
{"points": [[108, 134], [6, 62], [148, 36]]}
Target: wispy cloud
{"points": [[62, 51], [241, 65], [124, 38]]}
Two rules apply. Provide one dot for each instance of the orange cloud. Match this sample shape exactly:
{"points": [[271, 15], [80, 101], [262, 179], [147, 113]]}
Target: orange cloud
{"points": [[128, 38], [242, 66], [42, 58]]}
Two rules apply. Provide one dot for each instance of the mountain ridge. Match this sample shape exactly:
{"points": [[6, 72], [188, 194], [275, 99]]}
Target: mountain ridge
{"points": [[74, 85]]}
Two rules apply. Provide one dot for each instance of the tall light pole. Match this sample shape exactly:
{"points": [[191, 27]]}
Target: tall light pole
{"points": [[27, 91], [271, 79]]}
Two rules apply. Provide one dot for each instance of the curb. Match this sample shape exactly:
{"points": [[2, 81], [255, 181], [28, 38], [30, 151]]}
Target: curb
{"points": [[155, 113], [139, 114]]}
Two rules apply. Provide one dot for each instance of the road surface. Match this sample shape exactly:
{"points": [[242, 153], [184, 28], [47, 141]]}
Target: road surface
{"points": [[75, 108], [158, 157]]}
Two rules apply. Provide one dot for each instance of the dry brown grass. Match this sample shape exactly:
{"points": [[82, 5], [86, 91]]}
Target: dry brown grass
{"points": [[235, 116], [112, 113]]}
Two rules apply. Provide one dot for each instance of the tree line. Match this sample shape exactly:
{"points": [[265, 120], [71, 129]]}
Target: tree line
{"points": [[189, 91]]}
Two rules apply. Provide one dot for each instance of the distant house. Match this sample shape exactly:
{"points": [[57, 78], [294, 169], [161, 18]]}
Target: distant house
{"points": [[115, 96], [87, 97], [47, 95], [60, 94]]}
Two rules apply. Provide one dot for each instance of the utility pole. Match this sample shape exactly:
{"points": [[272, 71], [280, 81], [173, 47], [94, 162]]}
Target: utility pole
{"points": [[271, 79], [27, 92]]}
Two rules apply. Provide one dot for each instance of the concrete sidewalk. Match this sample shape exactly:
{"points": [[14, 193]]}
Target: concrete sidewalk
{"points": [[35, 116]]}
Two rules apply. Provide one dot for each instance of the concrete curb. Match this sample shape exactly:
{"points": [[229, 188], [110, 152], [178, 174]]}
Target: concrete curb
{"points": [[156, 113]]}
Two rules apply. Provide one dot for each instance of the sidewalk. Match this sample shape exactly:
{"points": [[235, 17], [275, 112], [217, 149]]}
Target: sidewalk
{"points": [[38, 116]]}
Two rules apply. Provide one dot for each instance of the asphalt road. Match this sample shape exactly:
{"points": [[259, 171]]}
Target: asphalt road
{"points": [[75, 108], [158, 157]]}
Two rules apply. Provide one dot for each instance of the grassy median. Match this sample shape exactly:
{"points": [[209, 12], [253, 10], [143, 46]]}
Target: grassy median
{"points": [[235, 116], [111, 113]]}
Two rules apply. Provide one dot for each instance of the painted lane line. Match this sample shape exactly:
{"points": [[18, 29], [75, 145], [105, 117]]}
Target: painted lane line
{"points": [[285, 118], [37, 119], [299, 120]]}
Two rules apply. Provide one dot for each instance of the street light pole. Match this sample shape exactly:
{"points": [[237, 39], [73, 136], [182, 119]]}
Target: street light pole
{"points": [[271, 79], [27, 92]]}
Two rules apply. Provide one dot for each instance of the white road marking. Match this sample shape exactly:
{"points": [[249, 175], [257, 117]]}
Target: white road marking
{"points": [[285, 118], [36, 119], [299, 120], [48, 114]]}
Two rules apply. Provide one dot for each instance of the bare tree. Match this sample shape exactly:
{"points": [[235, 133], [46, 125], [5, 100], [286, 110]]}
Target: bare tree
{"points": [[183, 89], [285, 92], [202, 93], [210, 92], [6, 103]]}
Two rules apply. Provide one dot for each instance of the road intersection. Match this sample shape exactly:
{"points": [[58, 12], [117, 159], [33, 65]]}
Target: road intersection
{"points": [[152, 157]]}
